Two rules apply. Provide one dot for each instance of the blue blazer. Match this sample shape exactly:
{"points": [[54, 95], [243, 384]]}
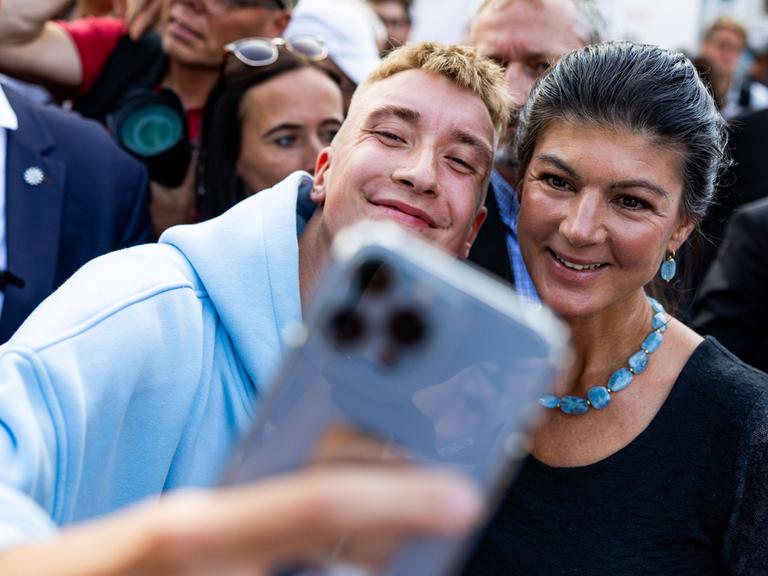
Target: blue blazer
{"points": [[94, 198]]}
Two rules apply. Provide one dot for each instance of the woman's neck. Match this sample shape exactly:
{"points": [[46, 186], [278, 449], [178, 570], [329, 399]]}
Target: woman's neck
{"points": [[603, 343]]}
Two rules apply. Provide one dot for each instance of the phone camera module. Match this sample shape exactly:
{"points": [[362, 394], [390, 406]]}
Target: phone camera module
{"points": [[375, 277], [406, 327], [347, 327]]}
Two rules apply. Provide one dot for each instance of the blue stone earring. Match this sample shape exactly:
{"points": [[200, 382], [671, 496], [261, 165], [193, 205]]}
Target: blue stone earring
{"points": [[669, 267]]}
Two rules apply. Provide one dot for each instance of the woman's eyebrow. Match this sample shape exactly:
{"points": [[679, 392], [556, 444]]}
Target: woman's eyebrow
{"points": [[558, 163]]}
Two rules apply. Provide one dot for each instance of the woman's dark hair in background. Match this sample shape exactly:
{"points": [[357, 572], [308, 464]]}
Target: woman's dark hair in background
{"points": [[646, 89], [219, 186]]}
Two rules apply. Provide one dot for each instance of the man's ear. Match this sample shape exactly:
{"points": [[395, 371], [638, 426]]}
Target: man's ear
{"points": [[322, 168], [476, 225]]}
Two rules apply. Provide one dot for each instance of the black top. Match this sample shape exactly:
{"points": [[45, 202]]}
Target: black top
{"points": [[688, 496]]}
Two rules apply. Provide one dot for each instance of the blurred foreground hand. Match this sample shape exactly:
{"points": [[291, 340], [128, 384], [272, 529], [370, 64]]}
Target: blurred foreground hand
{"points": [[255, 528]]}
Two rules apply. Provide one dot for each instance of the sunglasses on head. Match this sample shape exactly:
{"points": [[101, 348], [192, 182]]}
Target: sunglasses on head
{"points": [[264, 51]]}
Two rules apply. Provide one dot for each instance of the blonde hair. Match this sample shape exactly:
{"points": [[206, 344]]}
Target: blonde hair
{"points": [[460, 64], [727, 23]]}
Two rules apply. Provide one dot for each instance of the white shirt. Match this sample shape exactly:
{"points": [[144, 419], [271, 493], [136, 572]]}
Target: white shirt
{"points": [[8, 121]]}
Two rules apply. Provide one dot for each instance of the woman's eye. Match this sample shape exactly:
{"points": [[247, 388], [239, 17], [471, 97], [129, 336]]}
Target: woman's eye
{"points": [[632, 203], [285, 141], [557, 182], [327, 136]]}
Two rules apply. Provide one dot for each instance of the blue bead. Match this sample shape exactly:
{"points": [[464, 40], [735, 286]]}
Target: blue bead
{"points": [[656, 305], [599, 397], [620, 379], [638, 362], [652, 341], [573, 405], [668, 269], [659, 321], [549, 401]]}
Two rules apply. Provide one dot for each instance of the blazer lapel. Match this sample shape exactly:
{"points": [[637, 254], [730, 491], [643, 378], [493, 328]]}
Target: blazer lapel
{"points": [[33, 212]]}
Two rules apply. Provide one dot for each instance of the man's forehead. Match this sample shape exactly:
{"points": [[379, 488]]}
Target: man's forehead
{"points": [[546, 27], [419, 91]]}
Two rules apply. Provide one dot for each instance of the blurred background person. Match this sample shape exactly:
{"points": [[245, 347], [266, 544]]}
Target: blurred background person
{"points": [[113, 68], [527, 37], [723, 45], [84, 8], [352, 32], [396, 16], [263, 122]]}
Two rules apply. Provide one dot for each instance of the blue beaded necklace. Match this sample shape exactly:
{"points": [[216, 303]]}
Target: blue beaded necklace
{"points": [[598, 397]]}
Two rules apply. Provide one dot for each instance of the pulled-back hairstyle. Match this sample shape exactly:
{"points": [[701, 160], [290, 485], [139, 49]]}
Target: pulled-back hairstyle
{"points": [[645, 89], [462, 65]]}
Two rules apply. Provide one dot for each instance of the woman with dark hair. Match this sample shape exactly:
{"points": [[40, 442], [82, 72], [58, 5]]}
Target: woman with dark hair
{"points": [[652, 456], [271, 113]]}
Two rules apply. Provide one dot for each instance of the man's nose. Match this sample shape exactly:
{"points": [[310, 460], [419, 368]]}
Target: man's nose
{"points": [[584, 221], [419, 170], [518, 82]]}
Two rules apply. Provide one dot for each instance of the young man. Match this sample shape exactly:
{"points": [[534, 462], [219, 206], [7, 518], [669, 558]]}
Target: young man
{"points": [[138, 374], [526, 37]]}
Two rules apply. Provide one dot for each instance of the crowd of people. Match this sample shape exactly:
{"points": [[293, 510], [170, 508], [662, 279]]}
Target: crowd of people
{"points": [[226, 143]]}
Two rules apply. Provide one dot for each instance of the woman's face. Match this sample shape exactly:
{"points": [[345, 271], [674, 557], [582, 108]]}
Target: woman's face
{"points": [[600, 207], [286, 122]]}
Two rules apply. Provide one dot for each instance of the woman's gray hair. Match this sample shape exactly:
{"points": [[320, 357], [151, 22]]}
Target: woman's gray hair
{"points": [[645, 89]]}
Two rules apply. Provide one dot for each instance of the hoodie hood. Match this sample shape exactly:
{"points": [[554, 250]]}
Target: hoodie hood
{"points": [[247, 261]]}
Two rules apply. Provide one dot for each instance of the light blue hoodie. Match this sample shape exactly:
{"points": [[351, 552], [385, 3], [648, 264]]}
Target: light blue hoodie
{"points": [[137, 375]]}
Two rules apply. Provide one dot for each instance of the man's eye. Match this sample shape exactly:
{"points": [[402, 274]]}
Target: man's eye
{"points": [[538, 67], [463, 165], [389, 136]]}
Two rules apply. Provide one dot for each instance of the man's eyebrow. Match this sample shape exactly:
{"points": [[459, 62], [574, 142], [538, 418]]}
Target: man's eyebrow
{"points": [[469, 139], [405, 114], [634, 183]]}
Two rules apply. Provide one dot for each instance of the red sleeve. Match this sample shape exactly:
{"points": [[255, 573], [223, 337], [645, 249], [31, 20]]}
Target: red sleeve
{"points": [[95, 39]]}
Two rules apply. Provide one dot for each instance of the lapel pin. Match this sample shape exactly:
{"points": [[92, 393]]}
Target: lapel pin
{"points": [[34, 176]]}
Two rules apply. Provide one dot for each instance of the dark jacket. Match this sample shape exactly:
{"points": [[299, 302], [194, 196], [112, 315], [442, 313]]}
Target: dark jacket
{"points": [[93, 199]]}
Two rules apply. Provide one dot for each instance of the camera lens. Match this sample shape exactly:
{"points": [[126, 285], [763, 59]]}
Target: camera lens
{"points": [[374, 277], [346, 327], [406, 327]]}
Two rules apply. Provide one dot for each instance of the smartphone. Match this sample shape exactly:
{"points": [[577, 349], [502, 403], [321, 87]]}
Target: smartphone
{"points": [[407, 354]]}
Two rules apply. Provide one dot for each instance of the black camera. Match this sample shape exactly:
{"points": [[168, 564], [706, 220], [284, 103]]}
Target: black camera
{"points": [[152, 126]]}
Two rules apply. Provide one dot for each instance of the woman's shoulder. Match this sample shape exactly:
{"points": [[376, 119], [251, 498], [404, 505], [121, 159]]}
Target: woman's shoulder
{"points": [[715, 376]]}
